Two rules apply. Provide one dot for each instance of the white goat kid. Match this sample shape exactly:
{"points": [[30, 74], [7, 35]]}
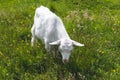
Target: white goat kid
{"points": [[50, 29]]}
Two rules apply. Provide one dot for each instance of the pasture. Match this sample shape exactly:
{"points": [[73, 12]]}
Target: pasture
{"points": [[95, 23]]}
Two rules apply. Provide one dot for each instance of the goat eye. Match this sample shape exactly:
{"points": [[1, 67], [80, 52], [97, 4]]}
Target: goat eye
{"points": [[64, 46]]}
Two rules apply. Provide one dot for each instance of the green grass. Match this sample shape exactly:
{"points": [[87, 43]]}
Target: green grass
{"points": [[96, 23]]}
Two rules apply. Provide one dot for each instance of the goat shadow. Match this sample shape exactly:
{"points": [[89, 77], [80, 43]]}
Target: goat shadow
{"points": [[45, 63], [70, 67]]}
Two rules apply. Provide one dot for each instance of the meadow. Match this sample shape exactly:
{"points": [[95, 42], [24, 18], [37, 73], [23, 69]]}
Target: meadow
{"points": [[96, 23]]}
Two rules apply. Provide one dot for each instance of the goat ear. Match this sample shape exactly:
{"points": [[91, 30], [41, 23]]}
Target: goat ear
{"points": [[55, 42], [77, 43]]}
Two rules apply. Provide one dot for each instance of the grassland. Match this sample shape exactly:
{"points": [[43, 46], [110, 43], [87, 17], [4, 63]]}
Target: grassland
{"points": [[96, 23]]}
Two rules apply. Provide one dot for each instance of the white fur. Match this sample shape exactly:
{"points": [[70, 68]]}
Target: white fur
{"points": [[50, 29]]}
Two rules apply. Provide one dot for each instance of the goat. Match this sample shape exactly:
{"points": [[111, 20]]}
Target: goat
{"points": [[50, 29]]}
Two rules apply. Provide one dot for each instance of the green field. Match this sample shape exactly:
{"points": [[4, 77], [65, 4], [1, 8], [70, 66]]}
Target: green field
{"points": [[96, 23]]}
